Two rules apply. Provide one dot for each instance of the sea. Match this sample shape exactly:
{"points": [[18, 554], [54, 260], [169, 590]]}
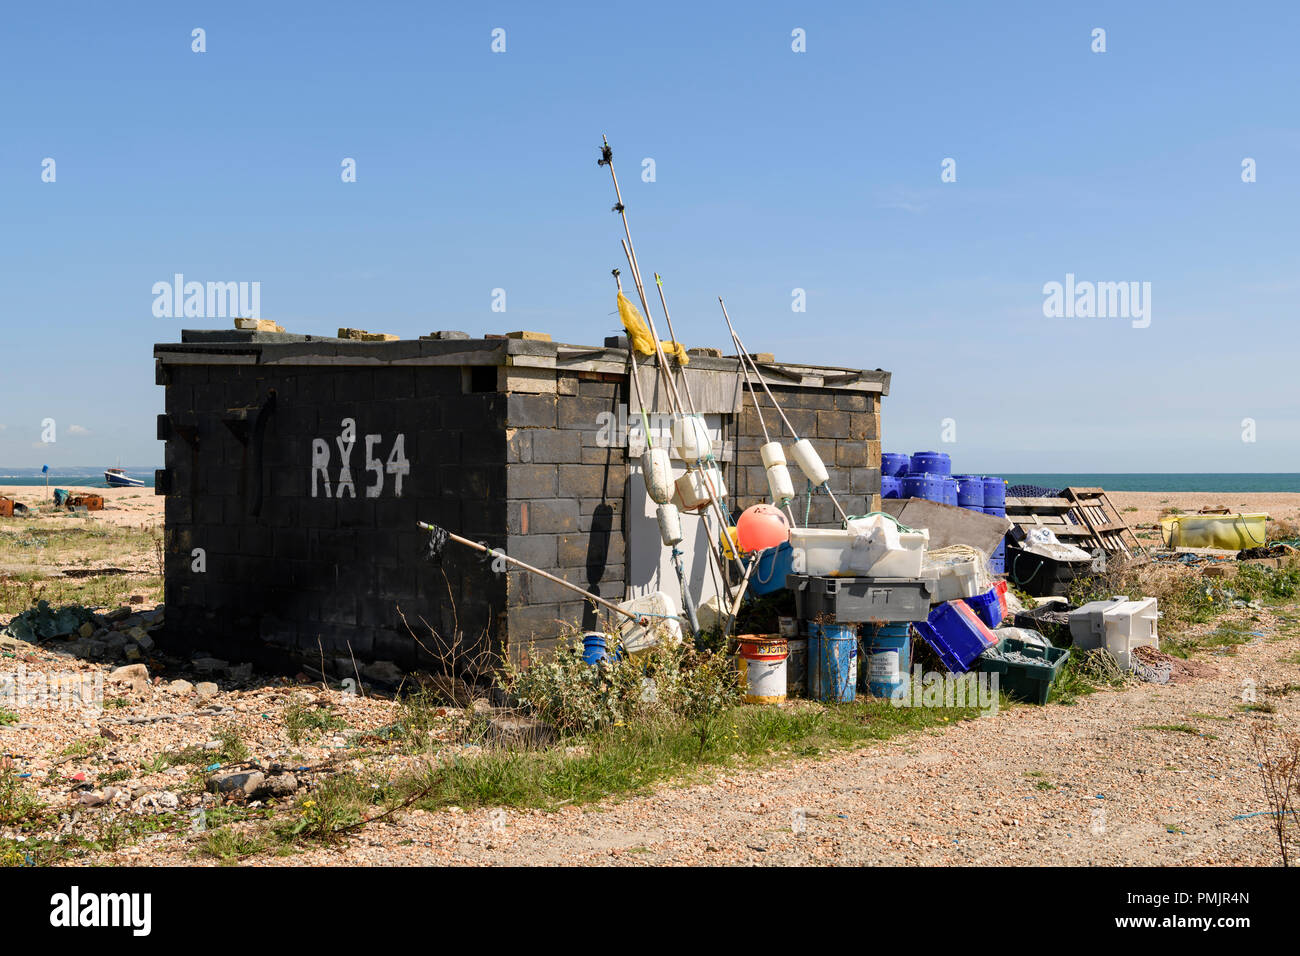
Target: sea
{"points": [[1210, 482], [76, 475]]}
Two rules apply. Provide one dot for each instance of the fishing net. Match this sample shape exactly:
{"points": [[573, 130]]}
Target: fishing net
{"points": [[437, 542]]}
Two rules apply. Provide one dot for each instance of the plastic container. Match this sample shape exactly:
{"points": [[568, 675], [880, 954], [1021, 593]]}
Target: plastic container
{"points": [[995, 493], [796, 666], [887, 653], [664, 622], [894, 464], [765, 656], [987, 607], [773, 567], [955, 633], [955, 577], [832, 661], [891, 486], [932, 462], [998, 559], [854, 600], [1232, 532], [949, 487], [1119, 625], [1030, 680], [929, 487], [595, 648], [840, 552], [970, 492]]}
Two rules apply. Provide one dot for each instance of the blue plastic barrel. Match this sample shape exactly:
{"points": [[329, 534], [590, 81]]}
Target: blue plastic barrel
{"points": [[931, 462], [891, 486], [998, 559], [970, 491], [949, 487], [773, 566], [887, 649], [593, 647], [892, 463], [832, 667], [995, 492], [929, 487]]}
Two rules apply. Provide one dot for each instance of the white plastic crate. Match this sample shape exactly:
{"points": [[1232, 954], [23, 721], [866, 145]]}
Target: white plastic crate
{"points": [[843, 553], [1119, 625]]}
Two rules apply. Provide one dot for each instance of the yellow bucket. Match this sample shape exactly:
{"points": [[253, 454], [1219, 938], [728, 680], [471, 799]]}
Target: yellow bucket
{"points": [[1226, 532]]}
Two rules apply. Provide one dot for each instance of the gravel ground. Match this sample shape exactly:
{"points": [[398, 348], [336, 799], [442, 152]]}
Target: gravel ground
{"points": [[1080, 785]]}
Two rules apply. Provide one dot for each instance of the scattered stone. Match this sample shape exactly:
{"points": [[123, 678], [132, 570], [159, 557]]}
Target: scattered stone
{"points": [[209, 665], [159, 801], [118, 614], [278, 786], [146, 642], [206, 689], [92, 798], [86, 630], [240, 672], [385, 672], [181, 688], [132, 652], [246, 782], [136, 675]]}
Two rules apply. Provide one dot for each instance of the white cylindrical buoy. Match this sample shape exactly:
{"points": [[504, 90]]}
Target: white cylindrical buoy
{"points": [[809, 462], [658, 473], [773, 454], [778, 480], [691, 438], [670, 524], [693, 488]]}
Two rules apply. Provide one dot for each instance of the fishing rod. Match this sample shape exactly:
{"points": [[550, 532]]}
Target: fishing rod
{"points": [[805, 456]]}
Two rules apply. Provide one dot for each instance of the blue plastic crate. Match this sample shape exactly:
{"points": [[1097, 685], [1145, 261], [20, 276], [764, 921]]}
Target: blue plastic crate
{"points": [[956, 634], [987, 607], [774, 565]]}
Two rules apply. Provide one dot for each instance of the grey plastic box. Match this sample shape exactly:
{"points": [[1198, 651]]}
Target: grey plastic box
{"points": [[853, 600]]}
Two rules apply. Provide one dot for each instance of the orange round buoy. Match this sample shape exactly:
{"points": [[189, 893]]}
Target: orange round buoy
{"points": [[760, 527]]}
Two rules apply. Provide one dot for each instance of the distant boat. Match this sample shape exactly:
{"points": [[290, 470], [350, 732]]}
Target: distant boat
{"points": [[117, 478]]}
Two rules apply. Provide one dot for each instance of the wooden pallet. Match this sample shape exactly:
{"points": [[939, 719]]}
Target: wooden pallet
{"points": [[1083, 517], [1102, 519]]}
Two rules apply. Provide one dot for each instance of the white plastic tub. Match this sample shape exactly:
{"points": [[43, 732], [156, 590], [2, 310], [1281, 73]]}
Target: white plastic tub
{"points": [[1119, 625], [957, 577], [842, 553]]}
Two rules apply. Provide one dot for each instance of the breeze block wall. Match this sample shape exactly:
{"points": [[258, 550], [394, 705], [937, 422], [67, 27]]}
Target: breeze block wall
{"points": [[298, 558], [566, 488], [844, 427]]}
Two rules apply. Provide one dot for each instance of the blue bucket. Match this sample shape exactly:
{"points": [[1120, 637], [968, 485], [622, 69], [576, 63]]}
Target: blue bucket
{"points": [[594, 649], [931, 462], [970, 491], [832, 661], [894, 464], [773, 566], [995, 492], [929, 487], [891, 486], [888, 652]]}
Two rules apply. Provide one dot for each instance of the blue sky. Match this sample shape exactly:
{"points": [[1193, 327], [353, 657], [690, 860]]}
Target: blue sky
{"points": [[775, 170]]}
